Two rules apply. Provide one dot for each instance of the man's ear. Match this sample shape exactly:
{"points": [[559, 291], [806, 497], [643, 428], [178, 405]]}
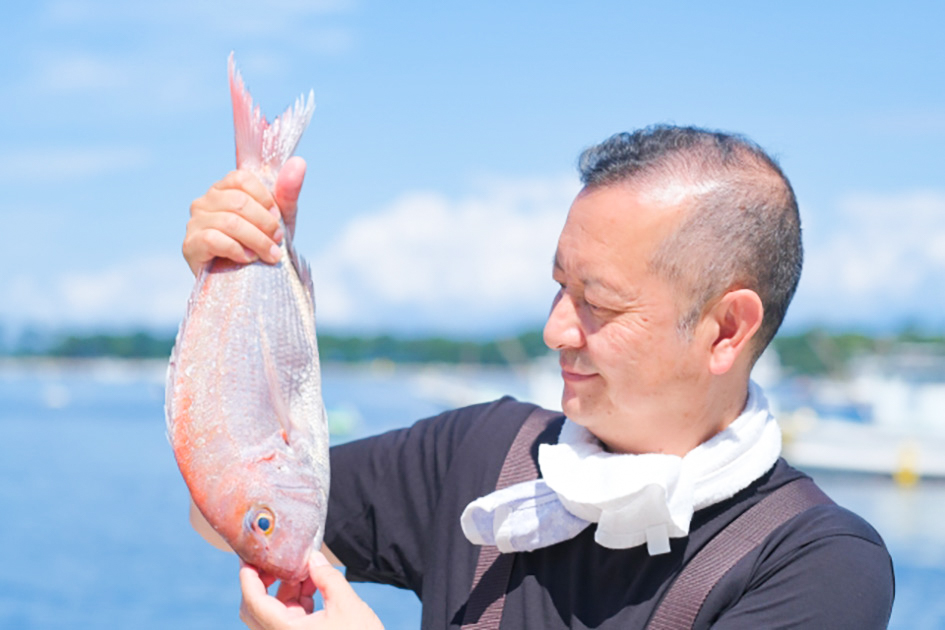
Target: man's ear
{"points": [[735, 319]]}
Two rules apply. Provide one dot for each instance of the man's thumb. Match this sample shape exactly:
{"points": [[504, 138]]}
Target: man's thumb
{"points": [[329, 581], [288, 188]]}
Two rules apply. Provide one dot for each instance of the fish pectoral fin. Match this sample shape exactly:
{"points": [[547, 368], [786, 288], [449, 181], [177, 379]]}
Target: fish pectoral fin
{"points": [[279, 403]]}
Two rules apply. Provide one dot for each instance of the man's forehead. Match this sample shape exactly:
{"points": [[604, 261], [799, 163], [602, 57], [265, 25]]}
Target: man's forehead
{"points": [[627, 217], [677, 192]]}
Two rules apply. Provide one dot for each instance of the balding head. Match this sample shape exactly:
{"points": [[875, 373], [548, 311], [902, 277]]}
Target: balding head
{"points": [[740, 228]]}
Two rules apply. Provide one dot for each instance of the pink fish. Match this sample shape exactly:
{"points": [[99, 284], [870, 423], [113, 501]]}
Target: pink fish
{"points": [[243, 401]]}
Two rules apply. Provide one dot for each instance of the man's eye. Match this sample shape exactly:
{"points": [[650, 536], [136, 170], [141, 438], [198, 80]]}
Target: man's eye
{"points": [[597, 309], [594, 307]]}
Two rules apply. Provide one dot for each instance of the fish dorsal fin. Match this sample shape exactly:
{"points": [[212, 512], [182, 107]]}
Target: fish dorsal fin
{"points": [[279, 403], [260, 146], [304, 270]]}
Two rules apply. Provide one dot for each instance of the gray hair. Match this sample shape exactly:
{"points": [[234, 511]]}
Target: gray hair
{"points": [[741, 229]]}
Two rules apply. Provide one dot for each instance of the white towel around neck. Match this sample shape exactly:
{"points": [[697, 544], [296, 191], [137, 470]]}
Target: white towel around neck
{"points": [[634, 499]]}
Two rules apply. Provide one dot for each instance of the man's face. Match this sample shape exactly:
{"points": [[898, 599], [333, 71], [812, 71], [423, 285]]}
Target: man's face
{"points": [[629, 376]]}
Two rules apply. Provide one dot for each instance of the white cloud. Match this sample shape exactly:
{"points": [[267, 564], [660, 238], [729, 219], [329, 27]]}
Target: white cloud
{"points": [[922, 120], [139, 84], [426, 261], [305, 21], [481, 262], [81, 71], [149, 291], [237, 13], [69, 163], [328, 41], [883, 261], [423, 262], [164, 67], [285, 22]]}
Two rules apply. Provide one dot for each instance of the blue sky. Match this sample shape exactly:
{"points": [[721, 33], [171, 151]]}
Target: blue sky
{"points": [[441, 153]]}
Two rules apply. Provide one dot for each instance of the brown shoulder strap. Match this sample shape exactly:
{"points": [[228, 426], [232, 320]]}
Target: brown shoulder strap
{"points": [[487, 595], [685, 597]]}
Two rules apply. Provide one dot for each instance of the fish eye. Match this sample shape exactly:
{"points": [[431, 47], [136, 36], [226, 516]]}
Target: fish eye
{"points": [[264, 521]]}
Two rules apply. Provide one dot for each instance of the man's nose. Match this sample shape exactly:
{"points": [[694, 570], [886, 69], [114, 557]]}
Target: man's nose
{"points": [[563, 328]]}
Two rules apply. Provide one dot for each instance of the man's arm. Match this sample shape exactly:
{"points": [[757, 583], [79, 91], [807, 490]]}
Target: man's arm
{"points": [[838, 581]]}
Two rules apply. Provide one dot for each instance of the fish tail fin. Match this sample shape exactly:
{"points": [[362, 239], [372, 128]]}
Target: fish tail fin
{"points": [[260, 146]]}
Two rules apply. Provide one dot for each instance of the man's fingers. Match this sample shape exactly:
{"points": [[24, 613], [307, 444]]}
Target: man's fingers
{"points": [[254, 592], [267, 579], [342, 604], [240, 208], [247, 182], [330, 582], [238, 202], [288, 591], [259, 609], [307, 603], [307, 588], [212, 244], [251, 582], [228, 235], [295, 601]]}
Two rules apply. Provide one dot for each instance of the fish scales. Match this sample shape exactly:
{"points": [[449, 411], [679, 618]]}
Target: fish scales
{"points": [[244, 409]]}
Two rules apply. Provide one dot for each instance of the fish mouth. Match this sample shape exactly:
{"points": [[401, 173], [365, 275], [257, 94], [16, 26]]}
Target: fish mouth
{"points": [[294, 572]]}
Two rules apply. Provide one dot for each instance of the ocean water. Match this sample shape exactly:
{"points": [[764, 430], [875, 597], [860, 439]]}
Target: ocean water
{"points": [[96, 532]]}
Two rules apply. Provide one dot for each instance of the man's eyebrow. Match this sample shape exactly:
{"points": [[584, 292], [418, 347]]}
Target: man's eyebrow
{"points": [[600, 286], [591, 283], [607, 288]]}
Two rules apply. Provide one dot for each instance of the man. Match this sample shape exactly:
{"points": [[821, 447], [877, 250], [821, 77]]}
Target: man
{"points": [[676, 265]]}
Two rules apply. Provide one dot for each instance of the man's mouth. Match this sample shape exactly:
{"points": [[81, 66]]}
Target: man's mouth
{"points": [[575, 374]]}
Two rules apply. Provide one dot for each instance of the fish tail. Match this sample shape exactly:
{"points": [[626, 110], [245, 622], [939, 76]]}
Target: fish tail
{"points": [[260, 146]]}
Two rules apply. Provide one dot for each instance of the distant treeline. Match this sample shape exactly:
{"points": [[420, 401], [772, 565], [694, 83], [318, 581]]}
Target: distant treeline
{"points": [[819, 352], [145, 345], [814, 352], [139, 345], [435, 349]]}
